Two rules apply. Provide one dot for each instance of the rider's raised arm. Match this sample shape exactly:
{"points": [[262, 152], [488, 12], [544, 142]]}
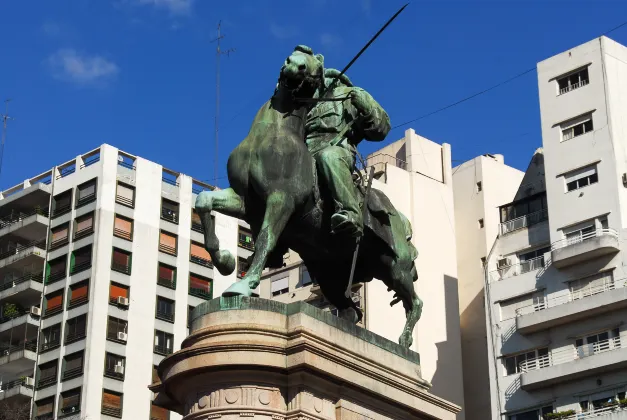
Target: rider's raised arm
{"points": [[375, 122]]}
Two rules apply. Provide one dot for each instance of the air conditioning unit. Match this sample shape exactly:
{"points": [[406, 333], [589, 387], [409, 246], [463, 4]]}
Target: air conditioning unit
{"points": [[29, 382], [119, 369], [122, 336], [122, 301], [35, 311]]}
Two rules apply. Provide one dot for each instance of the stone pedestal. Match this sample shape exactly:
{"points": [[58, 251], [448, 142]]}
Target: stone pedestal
{"points": [[260, 359]]}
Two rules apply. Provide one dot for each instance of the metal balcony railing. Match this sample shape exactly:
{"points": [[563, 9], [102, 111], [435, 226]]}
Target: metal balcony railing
{"points": [[163, 350], [85, 265], [72, 409], [85, 199], [508, 271], [524, 221], [165, 315], [45, 382], [78, 302], [45, 346], [53, 311], [574, 86], [169, 215], [123, 234], [126, 165], [14, 249], [90, 161], [11, 283], [58, 243], [200, 261], [26, 346], [14, 384], [200, 293], [15, 313], [111, 373], [73, 373], [380, 159], [570, 296], [568, 355], [562, 243], [165, 282], [170, 181], [121, 268], [60, 210], [55, 276], [197, 227], [18, 216], [111, 411], [167, 249], [607, 410], [83, 232], [125, 201], [75, 336]]}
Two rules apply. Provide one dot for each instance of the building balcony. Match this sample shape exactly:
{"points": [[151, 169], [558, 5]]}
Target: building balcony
{"points": [[15, 359], [612, 411], [515, 270], [523, 221], [18, 257], [22, 290], [584, 247], [571, 307], [572, 363], [17, 392], [29, 225], [17, 324]]}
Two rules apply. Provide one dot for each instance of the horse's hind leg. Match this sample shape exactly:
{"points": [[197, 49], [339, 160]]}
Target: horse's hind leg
{"points": [[279, 208], [403, 286], [226, 202]]}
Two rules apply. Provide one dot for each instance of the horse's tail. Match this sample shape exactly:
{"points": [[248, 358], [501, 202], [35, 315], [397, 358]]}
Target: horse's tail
{"points": [[223, 260]]}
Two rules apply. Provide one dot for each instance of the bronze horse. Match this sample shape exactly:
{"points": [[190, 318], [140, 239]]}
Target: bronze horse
{"points": [[274, 188]]}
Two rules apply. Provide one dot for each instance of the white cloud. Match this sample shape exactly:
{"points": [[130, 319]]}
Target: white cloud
{"points": [[175, 7], [330, 40], [70, 66], [283, 32]]}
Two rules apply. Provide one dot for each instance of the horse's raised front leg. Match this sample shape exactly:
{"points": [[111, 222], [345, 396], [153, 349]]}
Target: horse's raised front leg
{"points": [[279, 209], [225, 202]]}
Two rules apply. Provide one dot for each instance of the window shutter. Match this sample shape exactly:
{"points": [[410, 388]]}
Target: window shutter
{"points": [[200, 252], [86, 190], [167, 240], [60, 234], [123, 225], [117, 291], [126, 192], [200, 284], [79, 292], [85, 223], [280, 284], [54, 302]]}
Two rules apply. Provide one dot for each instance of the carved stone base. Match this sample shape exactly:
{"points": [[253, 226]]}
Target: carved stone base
{"points": [[255, 358]]}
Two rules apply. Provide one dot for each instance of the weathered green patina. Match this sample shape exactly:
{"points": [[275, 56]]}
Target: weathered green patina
{"points": [[274, 187]]}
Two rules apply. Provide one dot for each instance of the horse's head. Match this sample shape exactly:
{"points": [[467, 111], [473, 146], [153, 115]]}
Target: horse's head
{"points": [[302, 72]]}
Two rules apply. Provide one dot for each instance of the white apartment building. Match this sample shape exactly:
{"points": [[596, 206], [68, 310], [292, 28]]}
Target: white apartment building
{"points": [[555, 278], [416, 174], [480, 185], [101, 260]]}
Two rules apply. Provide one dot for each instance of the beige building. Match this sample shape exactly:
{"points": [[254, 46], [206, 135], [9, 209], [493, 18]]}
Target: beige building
{"points": [[555, 278]]}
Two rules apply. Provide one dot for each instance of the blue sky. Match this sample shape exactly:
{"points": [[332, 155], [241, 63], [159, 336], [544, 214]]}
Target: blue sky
{"points": [[140, 74]]}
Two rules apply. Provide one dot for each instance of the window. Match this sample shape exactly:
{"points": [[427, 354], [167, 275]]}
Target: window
{"points": [[164, 343], [480, 222], [75, 329], [117, 291], [589, 286], [73, 365], [123, 227], [479, 186], [581, 234], [70, 401], [537, 414], [521, 305], [55, 269], [167, 243], [59, 236], [86, 193], [531, 360], [165, 309], [196, 223], [597, 343], [199, 255], [304, 278], [53, 303], [62, 203], [600, 400], [112, 403], [47, 374], [114, 366], [573, 81], [246, 239], [79, 294], [121, 261], [525, 207], [532, 260], [50, 337], [577, 127], [280, 285], [242, 267], [116, 330], [167, 276], [169, 211], [125, 195], [80, 260], [581, 178], [84, 226], [44, 409], [158, 413], [200, 286]]}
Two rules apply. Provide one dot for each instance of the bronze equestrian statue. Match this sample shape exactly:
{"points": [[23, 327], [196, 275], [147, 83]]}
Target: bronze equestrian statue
{"points": [[274, 187]]}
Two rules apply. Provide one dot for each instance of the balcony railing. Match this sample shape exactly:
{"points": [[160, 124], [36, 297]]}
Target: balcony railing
{"points": [[583, 237], [79, 234], [58, 243], [200, 261], [165, 315], [28, 346], [125, 201], [73, 373], [85, 200], [45, 346], [16, 249], [72, 409], [75, 336], [16, 217], [15, 313], [607, 410], [200, 293], [505, 272], [123, 234], [121, 268], [380, 159], [167, 249], [14, 384], [524, 221], [163, 350], [56, 276], [197, 227], [570, 296], [126, 164], [111, 411], [9, 284], [165, 282], [170, 181], [169, 215], [111, 373], [574, 86], [53, 311], [61, 210], [85, 265], [568, 355], [90, 161], [45, 382], [78, 302]]}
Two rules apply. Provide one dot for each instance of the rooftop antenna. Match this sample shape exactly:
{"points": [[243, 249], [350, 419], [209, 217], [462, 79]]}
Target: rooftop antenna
{"points": [[5, 117], [219, 52]]}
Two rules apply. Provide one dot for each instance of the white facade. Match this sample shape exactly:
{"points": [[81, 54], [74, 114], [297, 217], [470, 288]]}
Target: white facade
{"points": [[137, 208], [556, 277]]}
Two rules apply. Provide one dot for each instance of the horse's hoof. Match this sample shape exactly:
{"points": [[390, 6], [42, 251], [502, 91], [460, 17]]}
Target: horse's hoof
{"points": [[406, 340], [224, 261], [239, 288]]}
